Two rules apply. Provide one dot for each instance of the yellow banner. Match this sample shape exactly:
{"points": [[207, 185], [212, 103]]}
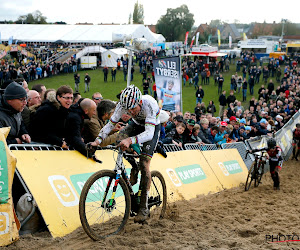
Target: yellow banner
{"points": [[228, 166], [56, 178], [8, 224], [219, 38]]}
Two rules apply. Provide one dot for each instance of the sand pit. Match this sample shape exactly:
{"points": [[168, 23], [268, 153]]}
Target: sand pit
{"points": [[232, 219]]}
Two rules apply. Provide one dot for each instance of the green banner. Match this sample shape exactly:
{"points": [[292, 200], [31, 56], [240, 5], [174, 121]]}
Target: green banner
{"points": [[190, 173], [233, 167], [3, 174]]}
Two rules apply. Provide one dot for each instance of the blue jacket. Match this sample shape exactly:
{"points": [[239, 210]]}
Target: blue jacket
{"points": [[219, 138]]}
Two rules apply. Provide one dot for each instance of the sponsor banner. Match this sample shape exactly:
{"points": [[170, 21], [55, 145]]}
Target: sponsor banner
{"points": [[2, 54], [14, 48], [228, 166], [168, 83], [9, 226], [24, 52]]}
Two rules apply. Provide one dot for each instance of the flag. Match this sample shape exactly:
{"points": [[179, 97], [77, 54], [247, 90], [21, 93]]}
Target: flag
{"points": [[186, 37], [10, 40], [192, 41], [219, 38], [244, 36], [197, 38], [230, 41], [16, 42], [0, 38]]}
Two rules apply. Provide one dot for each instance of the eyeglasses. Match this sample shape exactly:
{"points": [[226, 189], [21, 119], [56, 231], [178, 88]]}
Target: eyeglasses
{"points": [[67, 97], [22, 99], [98, 98]]}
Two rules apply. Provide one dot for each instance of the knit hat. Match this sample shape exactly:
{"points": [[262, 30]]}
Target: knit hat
{"points": [[14, 91], [243, 120]]}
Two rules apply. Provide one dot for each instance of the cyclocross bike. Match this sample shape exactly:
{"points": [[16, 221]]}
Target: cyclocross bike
{"points": [[257, 168], [108, 198]]}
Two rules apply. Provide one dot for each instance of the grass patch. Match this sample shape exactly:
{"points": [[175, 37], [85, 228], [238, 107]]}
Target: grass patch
{"points": [[110, 89]]}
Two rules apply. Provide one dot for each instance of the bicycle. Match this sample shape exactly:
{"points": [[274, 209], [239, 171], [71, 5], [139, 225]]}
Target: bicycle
{"points": [[108, 198], [257, 168]]}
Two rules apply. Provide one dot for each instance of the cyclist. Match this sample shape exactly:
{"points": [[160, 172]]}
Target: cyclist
{"points": [[144, 128], [296, 142], [275, 161]]}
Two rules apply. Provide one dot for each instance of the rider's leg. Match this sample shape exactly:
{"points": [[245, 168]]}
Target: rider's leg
{"points": [[144, 186]]}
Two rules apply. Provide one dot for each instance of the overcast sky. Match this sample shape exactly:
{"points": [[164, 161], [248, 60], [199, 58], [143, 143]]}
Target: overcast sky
{"points": [[117, 11]]}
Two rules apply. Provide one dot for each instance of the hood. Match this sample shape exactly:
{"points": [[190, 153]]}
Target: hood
{"points": [[75, 108]]}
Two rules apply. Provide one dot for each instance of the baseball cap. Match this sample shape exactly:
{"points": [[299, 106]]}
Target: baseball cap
{"points": [[248, 128], [263, 121], [223, 124], [232, 118], [243, 120], [226, 120], [191, 122], [279, 117]]}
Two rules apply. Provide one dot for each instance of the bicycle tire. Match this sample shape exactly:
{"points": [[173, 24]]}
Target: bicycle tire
{"points": [[261, 167], [157, 195], [111, 220], [249, 177]]}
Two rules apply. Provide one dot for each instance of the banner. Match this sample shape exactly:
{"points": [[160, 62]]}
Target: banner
{"points": [[244, 37], [9, 225], [230, 41], [186, 37], [192, 41], [0, 38], [219, 38], [197, 39], [168, 83], [2, 54], [14, 48], [209, 38]]}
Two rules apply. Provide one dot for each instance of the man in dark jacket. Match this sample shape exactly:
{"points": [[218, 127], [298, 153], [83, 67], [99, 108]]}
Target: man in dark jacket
{"points": [[203, 133], [12, 103], [199, 94], [49, 122], [223, 101], [231, 98], [84, 109]]}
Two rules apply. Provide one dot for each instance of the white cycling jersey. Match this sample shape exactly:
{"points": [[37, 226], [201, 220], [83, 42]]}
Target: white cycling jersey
{"points": [[148, 117]]}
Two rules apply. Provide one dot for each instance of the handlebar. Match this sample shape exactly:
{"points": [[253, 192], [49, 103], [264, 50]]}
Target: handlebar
{"points": [[255, 151]]}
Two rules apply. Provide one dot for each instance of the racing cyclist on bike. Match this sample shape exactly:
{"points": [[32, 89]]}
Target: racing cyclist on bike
{"points": [[144, 128]]}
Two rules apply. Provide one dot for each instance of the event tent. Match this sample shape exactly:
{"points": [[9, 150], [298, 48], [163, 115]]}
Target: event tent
{"points": [[75, 33], [109, 57]]}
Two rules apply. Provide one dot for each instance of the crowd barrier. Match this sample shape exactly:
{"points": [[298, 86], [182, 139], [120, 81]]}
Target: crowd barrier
{"points": [[55, 176]]}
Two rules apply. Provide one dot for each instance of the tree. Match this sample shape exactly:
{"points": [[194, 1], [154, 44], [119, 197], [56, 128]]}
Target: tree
{"points": [[175, 23], [138, 13], [129, 18], [216, 23], [32, 18]]}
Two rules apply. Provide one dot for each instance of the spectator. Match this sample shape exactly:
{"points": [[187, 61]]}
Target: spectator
{"points": [[105, 72], [85, 109], [212, 133], [12, 104], [199, 94], [222, 101], [175, 135], [207, 76], [231, 98], [87, 81], [34, 98], [211, 108], [203, 131], [245, 84], [97, 97], [190, 123], [77, 81], [76, 97], [222, 135], [145, 87], [220, 84], [187, 115], [41, 89], [49, 122], [113, 74], [196, 80]]}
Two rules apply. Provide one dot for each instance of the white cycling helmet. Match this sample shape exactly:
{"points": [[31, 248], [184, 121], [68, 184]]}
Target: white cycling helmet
{"points": [[130, 97]]}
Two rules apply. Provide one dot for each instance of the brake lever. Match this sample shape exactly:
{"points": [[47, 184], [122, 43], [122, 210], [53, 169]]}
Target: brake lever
{"points": [[95, 159]]}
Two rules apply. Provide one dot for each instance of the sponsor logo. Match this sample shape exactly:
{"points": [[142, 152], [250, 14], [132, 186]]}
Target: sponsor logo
{"points": [[99, 186], [230, 167], [4, 223], [63, 190], [189, 174], [3, 174], [162, 64], [174, 178], [270, 238]]}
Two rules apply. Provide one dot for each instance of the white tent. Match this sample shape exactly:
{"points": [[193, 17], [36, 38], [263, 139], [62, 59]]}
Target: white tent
{"points": [[109, 57], [89, 50], [75, 33]]}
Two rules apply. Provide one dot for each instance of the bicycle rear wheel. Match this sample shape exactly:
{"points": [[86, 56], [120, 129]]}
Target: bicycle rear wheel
{"points": [[157, 200], [100, 216], [259, 174], [250, 176]]}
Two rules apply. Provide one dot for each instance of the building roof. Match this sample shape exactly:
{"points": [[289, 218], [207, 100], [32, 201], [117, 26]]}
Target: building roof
{"points": [[75, 33]]}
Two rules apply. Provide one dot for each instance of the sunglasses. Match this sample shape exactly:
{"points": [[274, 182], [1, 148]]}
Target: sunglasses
{"points": [[98, 98]]}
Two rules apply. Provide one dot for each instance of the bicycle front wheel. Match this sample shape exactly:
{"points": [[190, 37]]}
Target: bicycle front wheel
{"points": [[101, 214], [250, 176], [157, 201], [259, 174]]}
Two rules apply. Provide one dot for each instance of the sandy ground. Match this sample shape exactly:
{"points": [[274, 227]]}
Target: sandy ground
{"points": [[232, 219]]}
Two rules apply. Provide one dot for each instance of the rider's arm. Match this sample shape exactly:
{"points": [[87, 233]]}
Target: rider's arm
{"points": [[147, 135], [105, 131]]}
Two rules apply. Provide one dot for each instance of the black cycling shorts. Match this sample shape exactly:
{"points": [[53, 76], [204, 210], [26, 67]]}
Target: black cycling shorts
{"points": [[133, 129]]}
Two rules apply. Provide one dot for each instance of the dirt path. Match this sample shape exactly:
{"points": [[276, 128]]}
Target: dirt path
{"points": [[232, 219]]}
